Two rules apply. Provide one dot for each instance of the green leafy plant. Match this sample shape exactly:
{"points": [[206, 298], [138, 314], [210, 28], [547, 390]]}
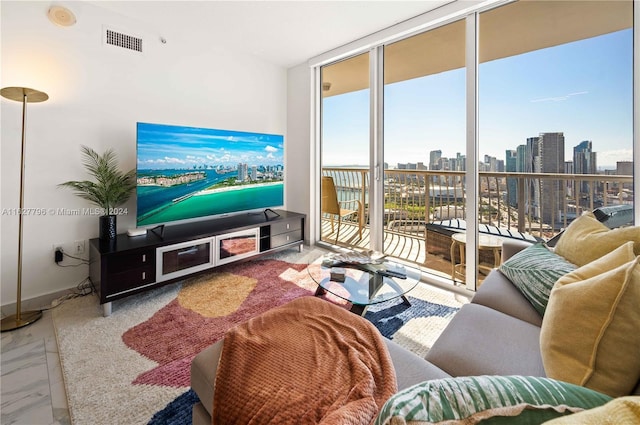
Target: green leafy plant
{"points": [[111, 187]]}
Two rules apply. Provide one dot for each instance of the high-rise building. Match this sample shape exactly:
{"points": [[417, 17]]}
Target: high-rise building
{"points": [[521, 166], [461, 162], [527, 155], [511, 159], [521, 158], [531, 153], [434, 159], [571, 186], [411, 166], [490, 163], [625, 168], [584, 162], [243, 172], [550, 159], [584, 159], [405, 178]]}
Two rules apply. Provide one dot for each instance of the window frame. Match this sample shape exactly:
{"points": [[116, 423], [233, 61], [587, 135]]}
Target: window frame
{"points": [[374, 44]]}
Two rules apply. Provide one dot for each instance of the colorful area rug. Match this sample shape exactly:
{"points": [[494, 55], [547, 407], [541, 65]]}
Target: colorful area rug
{"points": [[133, 367]]}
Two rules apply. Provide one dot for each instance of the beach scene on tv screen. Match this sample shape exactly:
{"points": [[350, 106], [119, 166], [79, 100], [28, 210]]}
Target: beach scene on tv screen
{"points": [[189, 172]]}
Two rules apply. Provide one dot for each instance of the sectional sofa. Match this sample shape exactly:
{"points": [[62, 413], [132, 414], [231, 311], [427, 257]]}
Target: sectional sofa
{"points": [[500, 332]]}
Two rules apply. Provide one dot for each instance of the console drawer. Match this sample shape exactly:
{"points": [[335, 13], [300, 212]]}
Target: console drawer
{"points": [[286, 238], [285, 227], [126, 261], [131, 279]]}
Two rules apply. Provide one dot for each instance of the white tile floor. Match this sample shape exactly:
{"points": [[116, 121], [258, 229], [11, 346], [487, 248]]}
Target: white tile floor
{"points": [[32, 390]]}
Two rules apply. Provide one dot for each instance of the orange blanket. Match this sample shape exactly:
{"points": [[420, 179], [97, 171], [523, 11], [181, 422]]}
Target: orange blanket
{"points": [[306, 362]]}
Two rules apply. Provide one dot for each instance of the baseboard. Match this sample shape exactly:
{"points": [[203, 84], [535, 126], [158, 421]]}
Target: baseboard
{"points": [[37, 303]]}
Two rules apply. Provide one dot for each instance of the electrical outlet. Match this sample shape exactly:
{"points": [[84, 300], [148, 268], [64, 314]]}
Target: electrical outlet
{"points": [[76, 248], [79, 247]]}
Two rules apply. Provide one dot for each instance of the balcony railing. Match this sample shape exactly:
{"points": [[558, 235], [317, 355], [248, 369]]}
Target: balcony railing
{"points": [[420, 204]]}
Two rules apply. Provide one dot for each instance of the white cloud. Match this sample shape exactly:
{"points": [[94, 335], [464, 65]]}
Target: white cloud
{"points": [[609, 158], [559, 98], [169, 160], [269, 148]]}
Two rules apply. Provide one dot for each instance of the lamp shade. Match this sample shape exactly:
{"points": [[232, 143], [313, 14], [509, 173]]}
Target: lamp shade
{"points": [[18, 94]]}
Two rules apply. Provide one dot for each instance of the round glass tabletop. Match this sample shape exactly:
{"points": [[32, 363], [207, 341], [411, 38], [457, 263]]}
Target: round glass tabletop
{"points": [[363, 284]]}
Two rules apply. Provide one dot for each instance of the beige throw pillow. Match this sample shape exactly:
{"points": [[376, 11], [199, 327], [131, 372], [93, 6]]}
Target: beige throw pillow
{"points": [[623, 410], [586, 239], [590, 332]]}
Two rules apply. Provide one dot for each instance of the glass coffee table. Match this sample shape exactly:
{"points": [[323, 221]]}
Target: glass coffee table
{"points": [[363, 284]]}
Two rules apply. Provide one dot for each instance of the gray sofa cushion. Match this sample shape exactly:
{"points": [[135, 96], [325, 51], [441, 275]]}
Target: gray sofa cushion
{"points": [[483, 341], [410, 368], [497, 292], [199, 415], [512, 246], [203, 373]]}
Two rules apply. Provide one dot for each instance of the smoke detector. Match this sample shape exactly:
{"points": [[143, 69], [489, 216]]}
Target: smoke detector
{"points": [[61, 16]]}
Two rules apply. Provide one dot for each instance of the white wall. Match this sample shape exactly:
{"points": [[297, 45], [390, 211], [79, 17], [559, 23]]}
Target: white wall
{"points": [[298, 148], [97, 94]]}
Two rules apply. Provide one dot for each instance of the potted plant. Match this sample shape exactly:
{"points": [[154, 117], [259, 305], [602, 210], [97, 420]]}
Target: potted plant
{"points": [[110, 188]]}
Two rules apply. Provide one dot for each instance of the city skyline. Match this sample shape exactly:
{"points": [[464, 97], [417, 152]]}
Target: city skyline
{"points": [[582, 88], [487, 159], [587, 163]]}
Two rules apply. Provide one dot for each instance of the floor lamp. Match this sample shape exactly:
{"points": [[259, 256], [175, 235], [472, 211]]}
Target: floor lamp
{"points": [[24, 95]]}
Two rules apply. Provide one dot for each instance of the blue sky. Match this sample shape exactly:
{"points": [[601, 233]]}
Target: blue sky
{"points": [[583, 89], [175, 147]]}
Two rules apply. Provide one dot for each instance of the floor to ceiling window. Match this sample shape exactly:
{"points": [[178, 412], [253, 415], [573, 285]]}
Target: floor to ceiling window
{"points": [[556, 98], [345, 151], [554, 133], [556, 113], [424, 141]]}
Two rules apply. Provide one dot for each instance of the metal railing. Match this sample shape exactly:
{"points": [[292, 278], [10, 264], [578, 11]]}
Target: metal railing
{"points": [[537, 204]]}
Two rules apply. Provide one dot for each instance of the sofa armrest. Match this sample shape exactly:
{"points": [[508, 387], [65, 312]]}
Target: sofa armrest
{"points": [[511, 247]]}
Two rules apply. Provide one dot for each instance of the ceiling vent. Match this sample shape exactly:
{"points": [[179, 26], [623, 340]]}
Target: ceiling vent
{"points": [[120, 39]]}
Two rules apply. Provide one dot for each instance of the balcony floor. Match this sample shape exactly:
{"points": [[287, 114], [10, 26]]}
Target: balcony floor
{"points": [[402, 246]]}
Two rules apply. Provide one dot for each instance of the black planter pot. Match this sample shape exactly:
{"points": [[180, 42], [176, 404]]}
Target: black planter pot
{"points": [[108, 227]]}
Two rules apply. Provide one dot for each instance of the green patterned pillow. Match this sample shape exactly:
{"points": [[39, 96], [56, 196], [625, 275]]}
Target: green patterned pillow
{"points": [[534, 271], [494, 400]]}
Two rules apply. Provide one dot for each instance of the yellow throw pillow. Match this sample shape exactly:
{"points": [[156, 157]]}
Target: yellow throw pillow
{"points": [[586, 239], [589, 333], [623, 410]]}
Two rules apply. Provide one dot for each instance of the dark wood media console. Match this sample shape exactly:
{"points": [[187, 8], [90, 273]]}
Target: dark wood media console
{"points": [[132, 264]]}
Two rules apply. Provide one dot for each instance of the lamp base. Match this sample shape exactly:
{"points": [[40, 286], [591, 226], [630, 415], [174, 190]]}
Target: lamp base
{"points": [[11, 322]]}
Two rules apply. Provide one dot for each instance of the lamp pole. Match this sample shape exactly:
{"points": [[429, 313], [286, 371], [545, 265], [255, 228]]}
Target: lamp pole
{"points": [[24, 95]]}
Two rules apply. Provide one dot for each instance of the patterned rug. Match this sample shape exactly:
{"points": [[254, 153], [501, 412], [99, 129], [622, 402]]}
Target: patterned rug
{"points": [[140, 356]]}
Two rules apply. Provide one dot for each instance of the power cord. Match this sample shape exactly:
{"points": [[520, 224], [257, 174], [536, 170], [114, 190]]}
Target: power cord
{"points": [[84, 288]]}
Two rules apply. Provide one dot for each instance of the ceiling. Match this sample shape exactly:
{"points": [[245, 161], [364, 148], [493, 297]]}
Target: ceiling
{"points": [[285, 33], [443, 49]]}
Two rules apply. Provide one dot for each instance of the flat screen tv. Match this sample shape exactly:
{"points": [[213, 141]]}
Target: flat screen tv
{"points": [[188, 173]]}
